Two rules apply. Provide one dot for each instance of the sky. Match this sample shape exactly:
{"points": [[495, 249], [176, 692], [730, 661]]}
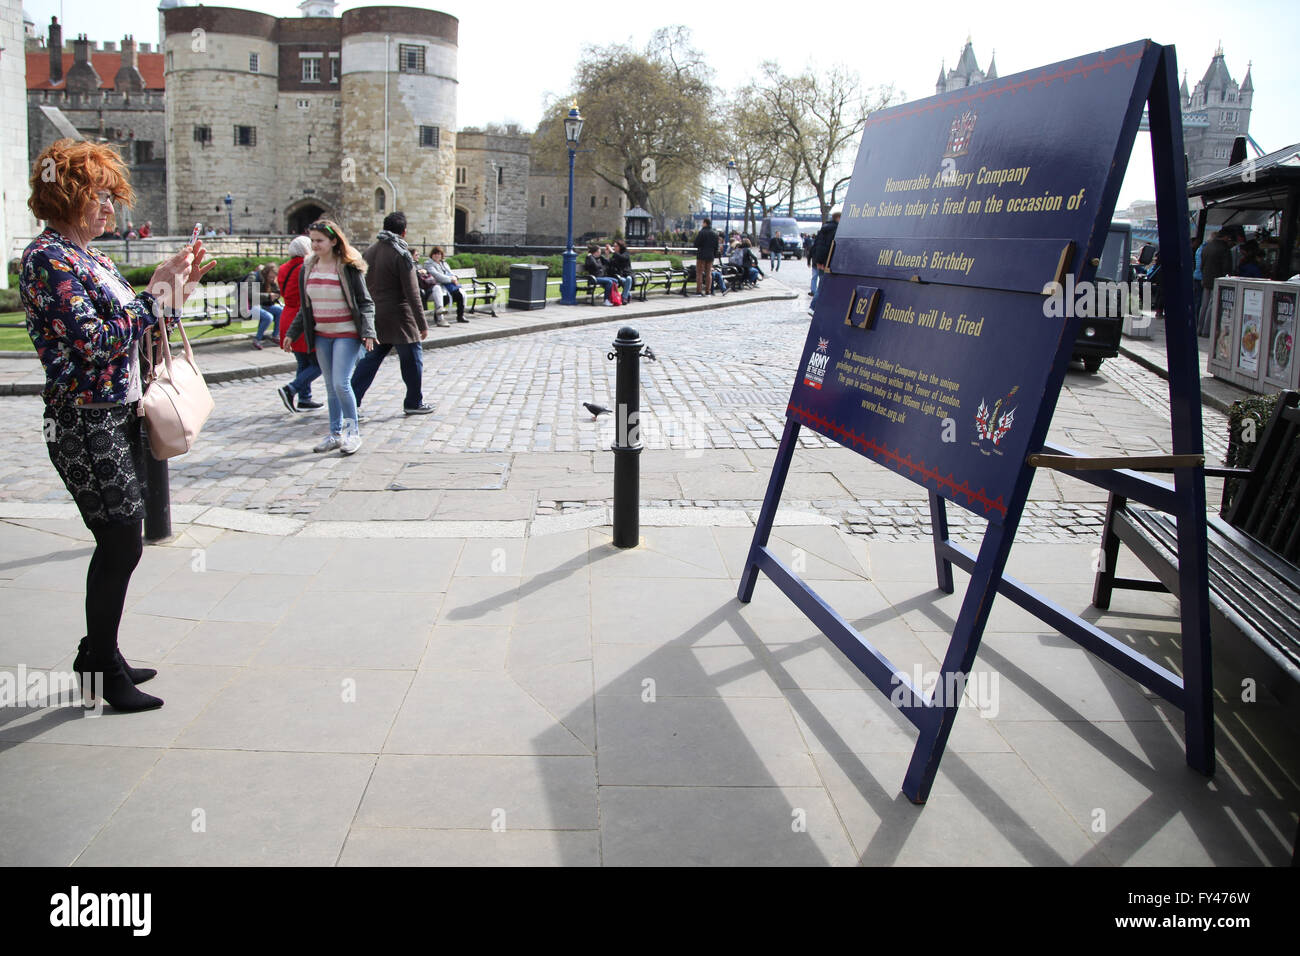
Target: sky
{"points": [[516, 56]]}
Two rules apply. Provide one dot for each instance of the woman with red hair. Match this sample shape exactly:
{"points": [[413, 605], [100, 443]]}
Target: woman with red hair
{"points": [[87, 324]]}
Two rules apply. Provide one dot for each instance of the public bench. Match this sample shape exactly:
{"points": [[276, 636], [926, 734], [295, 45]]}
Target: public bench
{"points": [[210, 305], [656, 274], [1253, 549], [478, 292]]}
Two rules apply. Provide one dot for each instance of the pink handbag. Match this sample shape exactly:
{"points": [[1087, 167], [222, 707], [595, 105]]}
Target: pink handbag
{"points": [[176, 399]]}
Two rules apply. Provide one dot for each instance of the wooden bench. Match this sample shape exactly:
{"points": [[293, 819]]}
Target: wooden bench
{"points": [[478, 292], [1253, 549]]}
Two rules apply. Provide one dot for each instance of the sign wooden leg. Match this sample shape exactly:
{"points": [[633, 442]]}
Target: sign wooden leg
{"points": [[775, 484], [939, 532]]}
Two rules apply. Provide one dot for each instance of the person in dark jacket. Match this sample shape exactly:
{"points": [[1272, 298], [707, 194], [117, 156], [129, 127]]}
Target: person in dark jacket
{"points": [[399, 315], [594, 268], [775, 246], [1216, 262], [706, 250], [620, 268], [821, 250]]}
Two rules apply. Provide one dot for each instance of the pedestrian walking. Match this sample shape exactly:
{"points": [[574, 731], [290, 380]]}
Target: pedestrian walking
{"points": [[297, 394], [775, 247], [399, 316], [821, 250], [706, 250], [87, 325], [337, 316]]}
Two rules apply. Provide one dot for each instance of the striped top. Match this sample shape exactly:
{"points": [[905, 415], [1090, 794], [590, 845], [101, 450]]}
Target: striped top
{"points": [[329, 308]]}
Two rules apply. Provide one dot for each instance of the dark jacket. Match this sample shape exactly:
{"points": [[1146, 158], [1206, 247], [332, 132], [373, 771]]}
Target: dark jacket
{"points": [[1216, 262], [776, 244], [392, 283], [706, 244], [620, 264], [354, 291], [821, 249], [595, 265]]}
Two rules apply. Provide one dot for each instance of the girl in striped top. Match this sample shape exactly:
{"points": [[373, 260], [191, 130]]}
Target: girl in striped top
{"points": [[337, 316]]}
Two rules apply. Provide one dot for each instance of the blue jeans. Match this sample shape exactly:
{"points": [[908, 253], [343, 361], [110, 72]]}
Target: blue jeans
{"points": [[265, 317], [605, 282], [752, 275], [774, 259], [626, 283], [411, 358], [308, 370], [816, 281], [719, 283], [338, 357]]}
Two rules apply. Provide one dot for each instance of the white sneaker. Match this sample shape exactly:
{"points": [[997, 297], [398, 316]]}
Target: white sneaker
{"points": [[351, 439], [329, 444]]}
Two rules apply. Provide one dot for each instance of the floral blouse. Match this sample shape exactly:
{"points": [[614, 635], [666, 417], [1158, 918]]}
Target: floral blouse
{"points": [[85, 337]]}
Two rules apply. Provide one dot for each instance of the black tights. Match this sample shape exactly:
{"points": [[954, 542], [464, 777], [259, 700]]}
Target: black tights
{"points": [[118, 547]]}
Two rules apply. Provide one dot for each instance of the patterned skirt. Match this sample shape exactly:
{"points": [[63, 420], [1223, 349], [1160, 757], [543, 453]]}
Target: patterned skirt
{"points": [[100, 455]]}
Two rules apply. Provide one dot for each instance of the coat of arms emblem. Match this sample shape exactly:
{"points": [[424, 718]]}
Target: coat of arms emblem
{"points": [[963, 127]]}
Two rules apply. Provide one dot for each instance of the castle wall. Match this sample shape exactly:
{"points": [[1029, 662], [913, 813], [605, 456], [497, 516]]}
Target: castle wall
{"points": [[496, 204], [16, 222], [548, 212]]}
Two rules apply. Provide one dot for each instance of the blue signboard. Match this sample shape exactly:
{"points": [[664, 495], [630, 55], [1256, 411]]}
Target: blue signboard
{"points": [[941, 340], [962, 209]]}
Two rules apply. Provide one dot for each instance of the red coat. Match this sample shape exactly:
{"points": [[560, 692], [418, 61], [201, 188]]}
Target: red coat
{"points": [[288, 279]]}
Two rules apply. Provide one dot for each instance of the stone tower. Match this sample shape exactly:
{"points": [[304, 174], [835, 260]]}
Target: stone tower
{"points": [[398, 141], [967, 72], [1215, 113], [221, 107]]}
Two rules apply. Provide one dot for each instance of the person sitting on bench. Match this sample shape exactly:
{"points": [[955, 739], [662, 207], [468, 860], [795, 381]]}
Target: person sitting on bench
{"points": [[447, 287], [595, 266]]}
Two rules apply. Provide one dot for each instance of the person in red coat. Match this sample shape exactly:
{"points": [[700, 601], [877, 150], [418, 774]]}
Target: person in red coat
{"points": [[297, 394]]}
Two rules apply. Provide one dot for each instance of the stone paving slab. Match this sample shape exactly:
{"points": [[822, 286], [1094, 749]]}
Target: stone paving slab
{"points": [[389, 700]]}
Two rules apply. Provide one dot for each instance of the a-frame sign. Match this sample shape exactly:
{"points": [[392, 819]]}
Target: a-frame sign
{"points": [[935, 349]]}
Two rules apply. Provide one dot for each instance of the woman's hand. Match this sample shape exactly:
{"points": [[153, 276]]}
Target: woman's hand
{"points": [[369, 344], [286, 345], [176, 278]]}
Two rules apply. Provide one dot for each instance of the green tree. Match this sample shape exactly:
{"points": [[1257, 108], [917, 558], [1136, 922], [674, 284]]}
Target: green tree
{"points": [[648, 119]]}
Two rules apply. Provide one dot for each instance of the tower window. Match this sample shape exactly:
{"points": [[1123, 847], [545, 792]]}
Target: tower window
{"points": [[203, 134], [310, 67], [143, 151], [604, 202], [254, 63], [429, 136], [501, 175], [410, 58], [245, 135], [381, 199], [334, 67], [543, 198], [462, 175], [593, 202]]}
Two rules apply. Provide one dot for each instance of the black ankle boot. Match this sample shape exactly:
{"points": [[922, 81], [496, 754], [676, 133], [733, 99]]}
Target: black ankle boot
{"points": [[110, 681], [138, 675]]}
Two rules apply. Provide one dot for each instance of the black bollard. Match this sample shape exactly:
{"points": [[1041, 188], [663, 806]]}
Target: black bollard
{"points": [[157, 498], [627, 438]]}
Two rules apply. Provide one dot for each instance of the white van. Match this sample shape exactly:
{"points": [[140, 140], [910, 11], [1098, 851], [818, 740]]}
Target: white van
{"points": [[789, 230]]}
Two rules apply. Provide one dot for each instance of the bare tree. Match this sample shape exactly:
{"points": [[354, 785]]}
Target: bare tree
{"points": [[821, 116]]}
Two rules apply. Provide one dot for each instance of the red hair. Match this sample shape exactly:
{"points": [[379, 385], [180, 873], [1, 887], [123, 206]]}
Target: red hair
{"points": [[69, 172]]}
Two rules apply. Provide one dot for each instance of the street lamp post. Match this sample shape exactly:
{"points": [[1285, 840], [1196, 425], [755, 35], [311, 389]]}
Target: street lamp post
{"points": [[731, 175], [496, 196], [569, 276], [230, 214]]}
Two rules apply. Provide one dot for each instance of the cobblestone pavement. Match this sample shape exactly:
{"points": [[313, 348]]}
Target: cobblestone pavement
{"points": [[720, 382]]}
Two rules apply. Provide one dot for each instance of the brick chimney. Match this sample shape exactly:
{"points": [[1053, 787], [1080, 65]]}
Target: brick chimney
{"points": [[56, 51], [129, 78], [82, 77]]}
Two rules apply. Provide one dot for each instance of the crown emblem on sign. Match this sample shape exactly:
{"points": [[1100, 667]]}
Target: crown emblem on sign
{"points": [[959, 136], [823, 345]]}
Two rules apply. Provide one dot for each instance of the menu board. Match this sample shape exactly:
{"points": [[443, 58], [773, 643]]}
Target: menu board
{"points": [[933, 340], [1226, 311], [1252, 330], [1281, 344]]}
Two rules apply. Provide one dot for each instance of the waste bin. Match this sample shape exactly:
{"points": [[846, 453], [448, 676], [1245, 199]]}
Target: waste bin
{"points": [[527, 287]]}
